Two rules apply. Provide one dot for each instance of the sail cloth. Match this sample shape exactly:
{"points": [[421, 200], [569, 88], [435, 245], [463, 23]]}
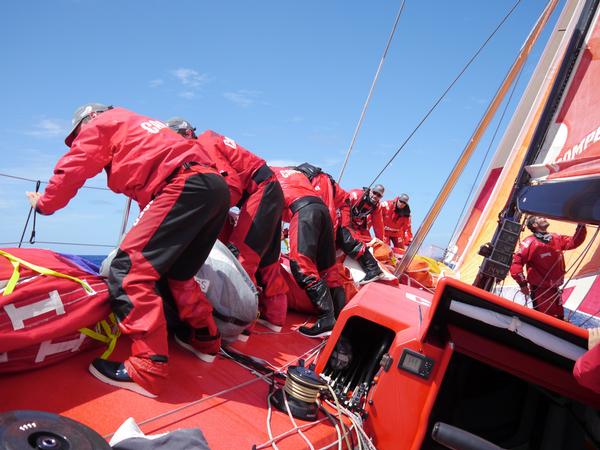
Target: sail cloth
{"points": [[228, 288], [45, 300], [579, 115], [567, 178], [573, 147]]}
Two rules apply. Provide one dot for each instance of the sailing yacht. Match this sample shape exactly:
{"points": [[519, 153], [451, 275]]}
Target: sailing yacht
{"points": [[461, 367]]}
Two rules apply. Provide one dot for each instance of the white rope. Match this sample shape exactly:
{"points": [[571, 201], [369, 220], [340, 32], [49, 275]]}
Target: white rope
{"points": [[287, 408], [366, 105], [338, 406]]}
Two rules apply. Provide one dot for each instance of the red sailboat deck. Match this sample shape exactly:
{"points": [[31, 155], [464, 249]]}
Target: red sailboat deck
{"points": [[225, 400]]}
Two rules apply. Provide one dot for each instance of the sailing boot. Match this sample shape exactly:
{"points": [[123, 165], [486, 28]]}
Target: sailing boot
{"points": [[320, 297], [369, 264], [339, 300], [116, 374], [204, 343]]}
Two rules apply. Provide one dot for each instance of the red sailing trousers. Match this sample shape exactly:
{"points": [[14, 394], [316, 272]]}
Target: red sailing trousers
{"points": [[171, 238], [258, 228], [362, 234], [548, 300], [312, 246]]}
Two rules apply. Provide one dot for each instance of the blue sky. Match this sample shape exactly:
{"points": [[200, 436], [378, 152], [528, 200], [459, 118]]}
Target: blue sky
{"points": [[285, 79]]}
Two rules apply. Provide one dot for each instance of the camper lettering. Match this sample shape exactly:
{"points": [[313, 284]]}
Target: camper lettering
{"points": [[153, 126], [229, 142], [578, 149], [286, 173]]}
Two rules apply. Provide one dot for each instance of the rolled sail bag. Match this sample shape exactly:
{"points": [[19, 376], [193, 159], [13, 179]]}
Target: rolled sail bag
{"points": [[228, 288], [48, 302]]}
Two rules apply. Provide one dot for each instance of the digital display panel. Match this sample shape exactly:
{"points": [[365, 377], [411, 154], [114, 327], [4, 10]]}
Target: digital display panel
{"points": [[416, 363], [411, 363]]}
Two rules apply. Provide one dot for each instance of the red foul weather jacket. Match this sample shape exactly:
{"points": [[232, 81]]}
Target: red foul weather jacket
{"points": [[229, 155], [334, 197], [295, 185], [138, 154], [395, 224], [587, 369], [363, 215], [544, 260]]}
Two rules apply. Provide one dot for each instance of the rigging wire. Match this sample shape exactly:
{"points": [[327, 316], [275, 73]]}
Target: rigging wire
{"points": [[46, 182], [31, 209], [75, 243], [441, 97], [486, 155], [368, 100]]}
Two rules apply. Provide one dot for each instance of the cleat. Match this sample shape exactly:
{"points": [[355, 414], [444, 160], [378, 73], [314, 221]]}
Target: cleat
{"points": [[115, 374]]}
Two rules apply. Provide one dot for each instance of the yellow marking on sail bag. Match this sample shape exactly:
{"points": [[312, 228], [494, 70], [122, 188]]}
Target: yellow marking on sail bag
{"points": [[104, 333], [17, 262]]}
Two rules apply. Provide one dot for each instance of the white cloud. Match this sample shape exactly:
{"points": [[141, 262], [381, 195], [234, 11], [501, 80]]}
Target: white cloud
{"points": [[190, 77], [282, 163], [187, 94], [242, 97], [50, 128], [156, 82], [191, 80]]}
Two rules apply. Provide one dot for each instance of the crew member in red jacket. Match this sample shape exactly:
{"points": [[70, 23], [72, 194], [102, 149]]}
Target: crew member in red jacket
{"points": [[254, 189], [366, 212], [183, 202], [312, 247], [336, 200], [587, 366], [396, 222], [542, 254]]}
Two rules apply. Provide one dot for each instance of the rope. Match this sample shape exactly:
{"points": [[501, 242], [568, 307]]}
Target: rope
{"points": [[74, 243], [366, 105], [46, 182], [587, 320], [220, 393], [37, 187], [273, 439], [290, 415], [447, 90]]}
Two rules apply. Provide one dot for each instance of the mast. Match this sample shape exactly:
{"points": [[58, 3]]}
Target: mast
{"points": [[498, 253], [475, 138]]}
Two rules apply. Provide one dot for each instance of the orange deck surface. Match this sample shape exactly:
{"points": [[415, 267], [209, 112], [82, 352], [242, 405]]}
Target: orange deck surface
{"points": [[226, 401]]}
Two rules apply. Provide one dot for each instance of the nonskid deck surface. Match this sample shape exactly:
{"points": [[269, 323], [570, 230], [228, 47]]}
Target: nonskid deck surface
{"points": [[226, 401]]}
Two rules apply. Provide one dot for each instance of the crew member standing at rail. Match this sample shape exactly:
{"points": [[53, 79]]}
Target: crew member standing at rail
{"points": [[542, 255], [366, 212], [396, 222], [255, 238], [183, 202]]}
